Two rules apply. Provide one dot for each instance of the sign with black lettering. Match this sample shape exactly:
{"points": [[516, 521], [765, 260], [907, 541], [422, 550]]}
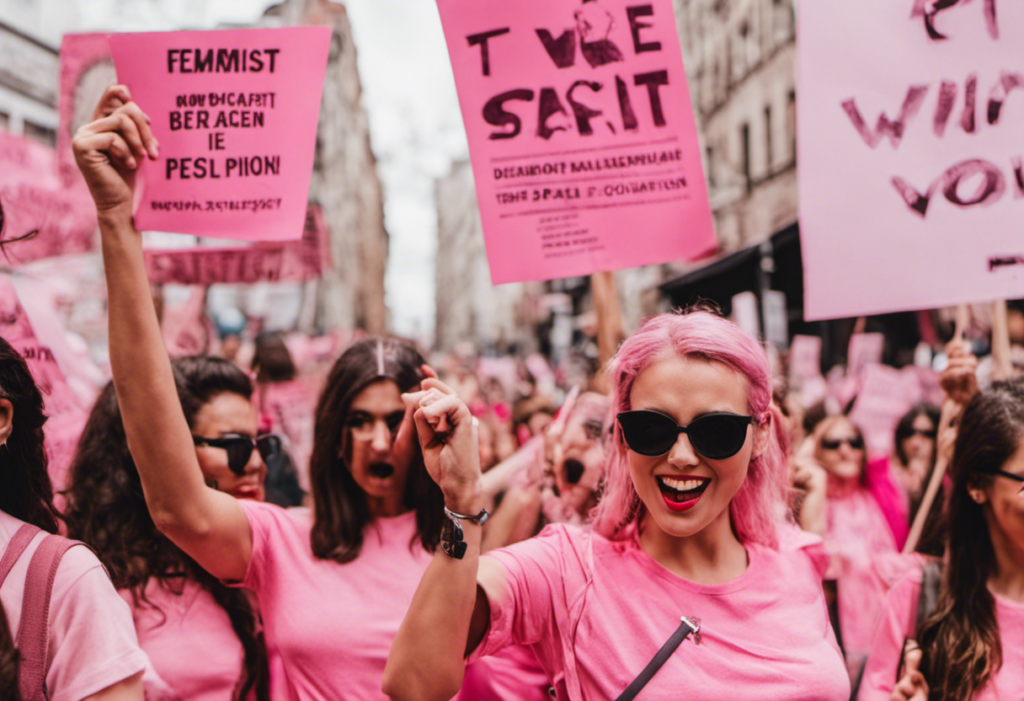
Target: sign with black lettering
{"points": [[911, 182], [236, 115], [581, 133]]}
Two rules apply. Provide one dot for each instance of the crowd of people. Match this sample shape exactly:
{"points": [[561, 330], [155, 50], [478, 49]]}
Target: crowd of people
{"points": [[678, 527]]}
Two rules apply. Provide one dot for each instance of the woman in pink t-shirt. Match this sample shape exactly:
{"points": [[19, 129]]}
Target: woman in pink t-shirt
{"points": [[687, 527], [968, 645], [202, 637], [858, 531], [332, 584], [92, 652]]}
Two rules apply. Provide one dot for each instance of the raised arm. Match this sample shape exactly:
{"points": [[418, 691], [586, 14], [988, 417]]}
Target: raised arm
{"points": [[208, 525], [449, 615]]}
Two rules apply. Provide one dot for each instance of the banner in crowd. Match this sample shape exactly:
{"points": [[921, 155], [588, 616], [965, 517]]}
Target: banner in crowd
{"points": [[39, 217], [265, 261], [66, 416], [86, 70], [236, 114], [581, 133], [911, 175]]}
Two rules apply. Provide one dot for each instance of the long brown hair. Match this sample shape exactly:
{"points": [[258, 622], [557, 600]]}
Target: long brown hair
{"points": [[960, 639], [106, 508], [26, 492], [340, 505]]}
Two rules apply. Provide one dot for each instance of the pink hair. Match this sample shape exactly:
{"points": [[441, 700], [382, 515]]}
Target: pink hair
{"points": [[755, 509]]}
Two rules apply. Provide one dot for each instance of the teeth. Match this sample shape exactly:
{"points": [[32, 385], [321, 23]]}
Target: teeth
{"points": [[681, 485]]}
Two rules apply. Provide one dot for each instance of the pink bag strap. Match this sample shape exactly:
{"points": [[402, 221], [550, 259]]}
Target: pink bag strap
{"points": [[34, 631], [15, 548]]}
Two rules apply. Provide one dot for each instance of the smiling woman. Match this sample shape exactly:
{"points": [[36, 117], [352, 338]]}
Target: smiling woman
{"points": [[689, 527]]}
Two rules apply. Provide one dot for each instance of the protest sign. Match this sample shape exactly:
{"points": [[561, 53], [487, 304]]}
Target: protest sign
{"points": [[291, 407], [864, 349], [185, 328], [265, 261], [39, 217], [86, 70], [911, 178], [885, 395], [581, 135], [66, 415], [235, 113]]}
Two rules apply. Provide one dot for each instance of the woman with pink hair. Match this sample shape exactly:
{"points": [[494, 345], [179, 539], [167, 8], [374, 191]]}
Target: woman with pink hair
{"points": [[688, 584]]}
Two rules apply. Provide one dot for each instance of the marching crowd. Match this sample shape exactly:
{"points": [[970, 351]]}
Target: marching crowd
{"points": [[679, 528]]}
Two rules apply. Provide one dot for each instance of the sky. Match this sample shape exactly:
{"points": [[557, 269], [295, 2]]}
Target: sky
{"points": [[415, 125]]}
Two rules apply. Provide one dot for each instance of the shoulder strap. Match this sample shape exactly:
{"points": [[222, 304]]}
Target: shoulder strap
{"points": [[15, 548], [34, 630], [931, 583]]}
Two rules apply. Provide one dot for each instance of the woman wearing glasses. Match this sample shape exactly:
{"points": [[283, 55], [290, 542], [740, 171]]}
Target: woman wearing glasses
{"points": [[201, 636], [864, 521], [968, 642], [686, 552], [331, 584], [915, 438]]}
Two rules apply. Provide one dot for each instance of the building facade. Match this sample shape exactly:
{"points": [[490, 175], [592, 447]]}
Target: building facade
{"points": [[469, 308], [345, 180], [28, 81], [740, 59]]}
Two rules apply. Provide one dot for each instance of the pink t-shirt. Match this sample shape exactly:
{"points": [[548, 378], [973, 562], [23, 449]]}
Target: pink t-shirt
{"points": [[857, 534], [898, 620], [92, 641], [332, 624], [189, 639], [596, 611], [512, 674]]}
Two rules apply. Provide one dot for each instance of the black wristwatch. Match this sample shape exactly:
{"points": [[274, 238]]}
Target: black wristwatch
{"points": [[452, 542]]}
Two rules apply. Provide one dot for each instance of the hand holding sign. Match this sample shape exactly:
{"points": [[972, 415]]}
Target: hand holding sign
{"points": [[109, 149]]}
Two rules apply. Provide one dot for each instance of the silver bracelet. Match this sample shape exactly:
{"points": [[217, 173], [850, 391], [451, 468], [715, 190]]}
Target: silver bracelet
{"points": [[479, 519]]}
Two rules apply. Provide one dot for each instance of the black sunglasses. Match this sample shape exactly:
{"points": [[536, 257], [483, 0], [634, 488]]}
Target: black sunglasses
{"points": [[1009, 475], [856, 442], [715, 436], [239, 448]]}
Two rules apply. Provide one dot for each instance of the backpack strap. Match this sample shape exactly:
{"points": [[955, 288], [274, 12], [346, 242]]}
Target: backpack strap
{"points": [[15, 548], [34, 631]]}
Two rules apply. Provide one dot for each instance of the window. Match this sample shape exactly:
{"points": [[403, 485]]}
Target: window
{"points": [[791, 124], [745, 147], [5, 121], [769, 154], [709, 156], [782, 21], [40, 133]]}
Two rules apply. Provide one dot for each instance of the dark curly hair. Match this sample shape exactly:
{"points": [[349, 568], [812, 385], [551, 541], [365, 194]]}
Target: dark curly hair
{"points": [[340, 505], [26, 492], [106, 508]]}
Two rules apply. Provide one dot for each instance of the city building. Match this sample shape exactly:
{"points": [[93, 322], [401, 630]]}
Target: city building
{"points": [[28, 80], [345, 180]]}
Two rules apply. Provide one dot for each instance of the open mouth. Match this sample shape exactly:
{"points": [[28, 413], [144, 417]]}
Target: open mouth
{"points": [[381, 470], [681, 494], [573, 471]]}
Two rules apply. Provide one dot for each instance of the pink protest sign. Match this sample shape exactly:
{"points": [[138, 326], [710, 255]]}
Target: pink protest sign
{"points": [[886, 394], [864, 349], [66, 416], [910, 154], [86, 70], [235, 113], [49, 219], [265, 261], [581, 134]]}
